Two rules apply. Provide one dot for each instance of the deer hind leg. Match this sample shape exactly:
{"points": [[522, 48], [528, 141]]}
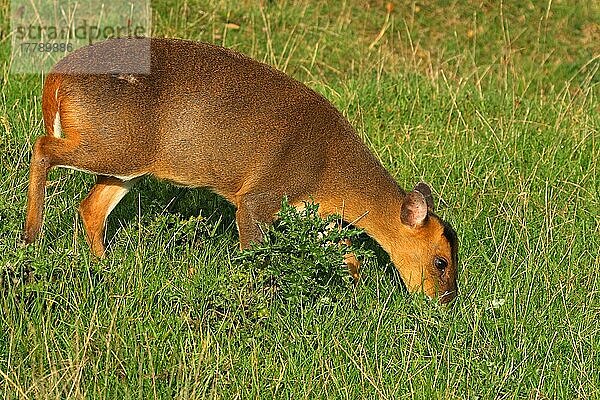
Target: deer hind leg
{"points": [[48, 152], [94, 210]]}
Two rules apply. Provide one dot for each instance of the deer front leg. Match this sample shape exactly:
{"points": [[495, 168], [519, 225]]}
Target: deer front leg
{"points": [[254, 210], [352, 262]]}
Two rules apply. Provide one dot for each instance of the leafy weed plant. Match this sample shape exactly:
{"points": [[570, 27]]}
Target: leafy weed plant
{"points": [[301, 258]]}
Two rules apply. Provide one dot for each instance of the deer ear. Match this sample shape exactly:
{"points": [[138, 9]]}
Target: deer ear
{"points": [[426, 192], [414, 209]]}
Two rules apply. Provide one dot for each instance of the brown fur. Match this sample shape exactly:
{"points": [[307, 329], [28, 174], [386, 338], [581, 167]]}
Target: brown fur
{"points": [[209, 117]]}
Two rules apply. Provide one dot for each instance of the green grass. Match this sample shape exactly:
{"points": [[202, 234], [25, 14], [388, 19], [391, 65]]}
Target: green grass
{"points": [[496, 105]]}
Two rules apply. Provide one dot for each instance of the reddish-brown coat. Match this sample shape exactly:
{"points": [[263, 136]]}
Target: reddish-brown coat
{"points": [[207, 116]]}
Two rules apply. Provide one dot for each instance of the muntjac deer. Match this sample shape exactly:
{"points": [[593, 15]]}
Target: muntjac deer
{"points": [[206, 116]]}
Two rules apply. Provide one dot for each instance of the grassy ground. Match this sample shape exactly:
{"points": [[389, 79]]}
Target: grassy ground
{"points": [[495, 104]]}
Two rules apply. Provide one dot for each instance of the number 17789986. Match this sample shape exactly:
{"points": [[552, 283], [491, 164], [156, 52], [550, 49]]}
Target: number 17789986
{"points": [[46, 47]]}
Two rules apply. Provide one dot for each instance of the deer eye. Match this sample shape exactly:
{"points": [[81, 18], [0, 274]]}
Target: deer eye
{"points": [[440, 263]]}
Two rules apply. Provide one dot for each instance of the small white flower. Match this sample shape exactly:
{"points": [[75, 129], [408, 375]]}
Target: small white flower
{"points": [[497, 303]]}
